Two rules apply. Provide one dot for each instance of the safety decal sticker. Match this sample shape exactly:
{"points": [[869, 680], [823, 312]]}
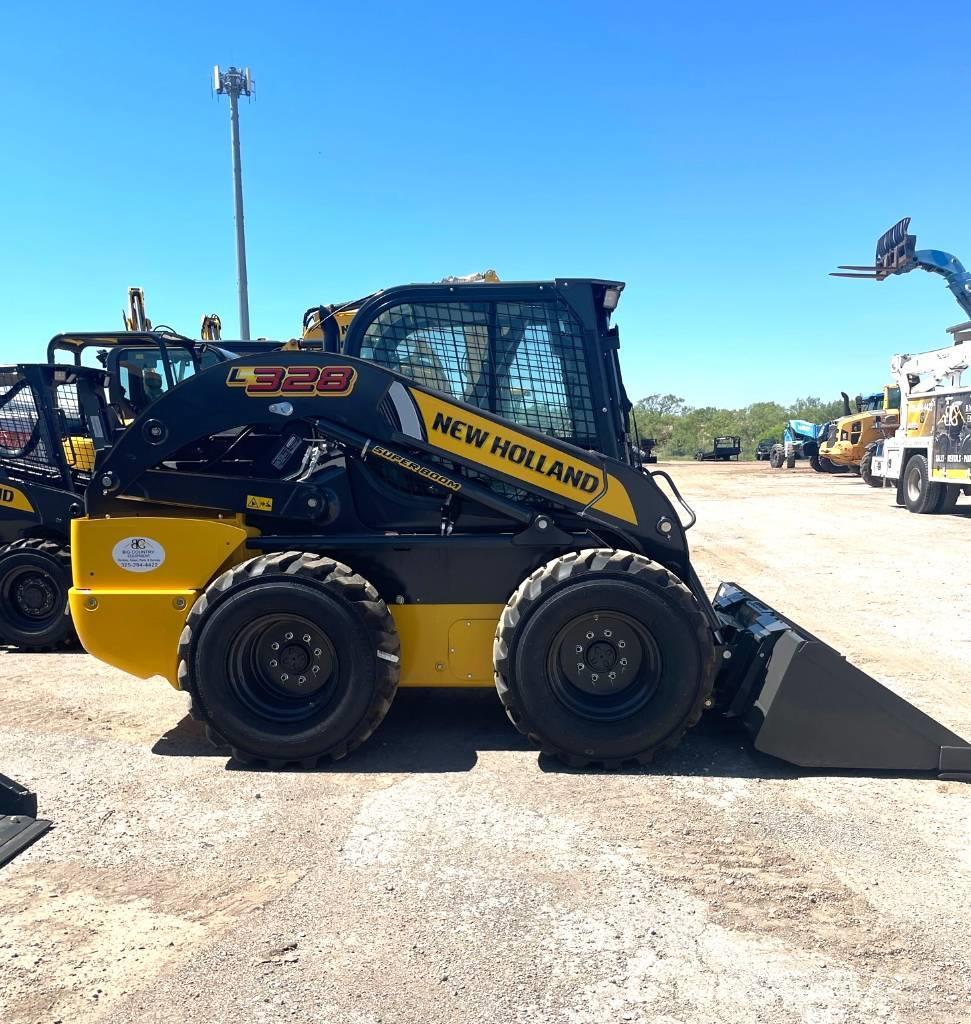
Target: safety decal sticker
{"points": [[258, 503], [138, 554]]}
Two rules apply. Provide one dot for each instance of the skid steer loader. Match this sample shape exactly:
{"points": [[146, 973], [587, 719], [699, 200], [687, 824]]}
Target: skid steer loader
{"points": [[47, 454], [468, 511]]}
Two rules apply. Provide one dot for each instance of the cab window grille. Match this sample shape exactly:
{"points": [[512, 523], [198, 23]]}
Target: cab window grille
{"points": [[75, 435], [21, 443], [523, 361]]}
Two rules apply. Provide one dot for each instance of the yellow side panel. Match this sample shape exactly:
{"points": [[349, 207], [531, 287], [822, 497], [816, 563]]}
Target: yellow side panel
{"points": [[136, 632], [955, 474], [497, 446], [616, 502], [920, 417], [136, 578], [446, 644], [180, 554], [13, 497]]}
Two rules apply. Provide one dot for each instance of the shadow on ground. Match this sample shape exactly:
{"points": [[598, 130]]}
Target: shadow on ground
{"points": [[439, 731]]}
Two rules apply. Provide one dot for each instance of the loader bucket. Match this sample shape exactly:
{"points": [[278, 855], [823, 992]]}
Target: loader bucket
{"points": [[19, 824], [805, 703]]}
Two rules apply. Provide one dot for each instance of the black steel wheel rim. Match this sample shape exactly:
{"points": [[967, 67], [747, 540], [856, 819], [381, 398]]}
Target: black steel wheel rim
{"points": [[30, 598], [282, 667], [604, 665]]}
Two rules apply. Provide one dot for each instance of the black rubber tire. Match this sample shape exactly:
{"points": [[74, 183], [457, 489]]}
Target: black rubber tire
{"points": [[51, 561], [791, 461], [611, 583], [866, 471], [776, 459], [948, 500], [313, 592], [921, 494], [816, 464]]}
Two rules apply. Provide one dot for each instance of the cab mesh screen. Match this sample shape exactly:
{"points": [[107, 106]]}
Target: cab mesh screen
{"points": [[520, 360], [21, 441]]}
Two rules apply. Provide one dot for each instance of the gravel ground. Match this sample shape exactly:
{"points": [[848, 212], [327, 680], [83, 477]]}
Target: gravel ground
{"points": [[446, 873]]}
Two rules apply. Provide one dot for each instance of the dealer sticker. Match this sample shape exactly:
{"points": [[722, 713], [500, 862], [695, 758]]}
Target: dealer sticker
{"points": [[138, 554]]}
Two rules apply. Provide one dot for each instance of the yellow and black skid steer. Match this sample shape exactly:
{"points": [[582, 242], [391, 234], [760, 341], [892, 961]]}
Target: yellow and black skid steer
{"points": [[464, 507]]}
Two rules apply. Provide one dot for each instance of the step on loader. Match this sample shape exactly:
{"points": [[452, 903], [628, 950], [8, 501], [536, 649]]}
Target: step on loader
{"points": [[467, 510]]}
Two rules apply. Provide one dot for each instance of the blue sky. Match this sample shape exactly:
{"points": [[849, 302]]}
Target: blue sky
{"points": [[719, 158]]}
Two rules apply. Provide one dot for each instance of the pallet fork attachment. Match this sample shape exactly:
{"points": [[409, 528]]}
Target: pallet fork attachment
{"points": [[19, 824], [803, 702]]}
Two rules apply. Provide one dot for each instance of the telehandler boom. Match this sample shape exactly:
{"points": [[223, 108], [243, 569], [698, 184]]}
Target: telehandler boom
{"points": [[479, 519]]}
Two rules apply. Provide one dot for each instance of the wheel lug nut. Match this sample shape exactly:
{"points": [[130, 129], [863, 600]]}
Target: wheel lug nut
{"points": [[579, 649], [589, 636], [301, 680], [623, 661], [288, 636], [315, 669], [580, 666], [274, 647], [284, 677], [621, 643], [306, 638], [317, 652], [274, 663], [608, 632], [594, 677], [611, 675]]}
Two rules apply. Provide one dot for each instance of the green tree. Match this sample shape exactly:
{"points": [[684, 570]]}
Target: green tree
{"points": [[681, 430]]}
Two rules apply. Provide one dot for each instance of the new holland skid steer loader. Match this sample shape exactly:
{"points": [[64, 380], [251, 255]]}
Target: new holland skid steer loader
{"points": [[479, 519]]}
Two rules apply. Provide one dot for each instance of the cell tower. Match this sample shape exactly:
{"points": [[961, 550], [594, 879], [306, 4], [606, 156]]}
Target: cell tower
{"points": [[234, 83]]}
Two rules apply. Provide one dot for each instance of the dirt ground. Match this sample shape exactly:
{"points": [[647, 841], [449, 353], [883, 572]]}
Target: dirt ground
{"points": [[446, 873]]}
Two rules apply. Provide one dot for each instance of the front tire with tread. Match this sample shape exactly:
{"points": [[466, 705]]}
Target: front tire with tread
{"points": [[921, 495], [612, 584]]}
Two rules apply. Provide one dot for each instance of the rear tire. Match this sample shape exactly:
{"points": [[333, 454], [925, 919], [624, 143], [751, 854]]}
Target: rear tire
{"points": [[626, 614], [866, 472], [35, 576], [290, 657], [791, 461], [948, 500], [776, 459], [921, 494]]}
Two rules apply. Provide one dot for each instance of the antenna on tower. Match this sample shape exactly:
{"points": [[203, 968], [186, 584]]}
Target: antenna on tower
{"points": [[236, 82]]}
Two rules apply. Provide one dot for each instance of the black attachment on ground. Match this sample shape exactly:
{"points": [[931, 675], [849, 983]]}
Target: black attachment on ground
{"points": [[805, 703], [19, 825]]}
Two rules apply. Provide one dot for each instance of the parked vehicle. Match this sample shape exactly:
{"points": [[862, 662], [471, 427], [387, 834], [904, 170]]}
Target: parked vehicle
{"points": [[722, 450], [928, 457], [764, 449]]}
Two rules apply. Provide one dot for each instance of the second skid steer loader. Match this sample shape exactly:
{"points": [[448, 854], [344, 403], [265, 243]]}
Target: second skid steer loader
{"points": [[467, 510]]}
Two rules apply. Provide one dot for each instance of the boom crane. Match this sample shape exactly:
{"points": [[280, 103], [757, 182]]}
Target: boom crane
{"points": [[928, 458], [897, 253]]}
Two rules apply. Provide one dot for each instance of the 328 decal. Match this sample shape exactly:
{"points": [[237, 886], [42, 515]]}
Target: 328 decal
{"points": [[263, 381]]}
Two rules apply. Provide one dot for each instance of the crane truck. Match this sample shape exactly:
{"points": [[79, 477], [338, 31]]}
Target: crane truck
{"points": [[928, 457]]}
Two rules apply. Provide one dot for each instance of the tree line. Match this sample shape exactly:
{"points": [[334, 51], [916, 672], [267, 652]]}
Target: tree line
{"points": [[681, 429]]}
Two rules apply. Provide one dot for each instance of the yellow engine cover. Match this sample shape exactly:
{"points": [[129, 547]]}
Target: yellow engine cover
{"points": [[135, 580]]}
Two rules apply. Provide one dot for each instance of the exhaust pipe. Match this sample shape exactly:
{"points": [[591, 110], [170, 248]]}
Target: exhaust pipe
{"points": [[803, 702], [846, 403]]}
